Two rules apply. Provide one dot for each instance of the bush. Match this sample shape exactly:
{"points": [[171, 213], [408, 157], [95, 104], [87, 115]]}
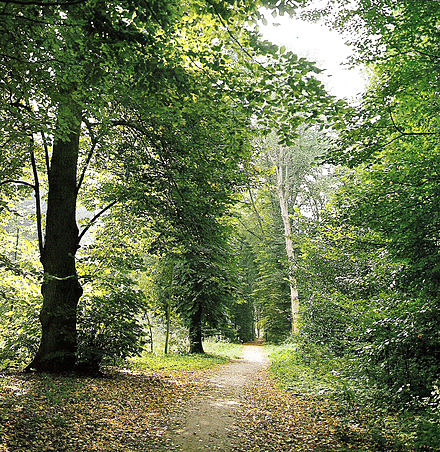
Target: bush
{"points": [[20, 304], [326, 320], [110, 326], [401, 352]]}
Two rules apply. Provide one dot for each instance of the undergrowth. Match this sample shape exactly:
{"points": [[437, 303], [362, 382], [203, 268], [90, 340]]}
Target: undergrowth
{"points": [[314, 371]]}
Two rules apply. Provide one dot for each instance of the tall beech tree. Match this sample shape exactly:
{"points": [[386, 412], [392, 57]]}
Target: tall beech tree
{"points": [[300, 187], [59, 70]]}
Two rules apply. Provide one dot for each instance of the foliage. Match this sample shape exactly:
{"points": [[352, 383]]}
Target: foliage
{"points": [[314, 371], [263, 277], [20, 300], [355, 303], [110, 324], [147, 105], [19, 332], [261, 223], [310, 369], [204, 285], [111, 313], [371, 267]]}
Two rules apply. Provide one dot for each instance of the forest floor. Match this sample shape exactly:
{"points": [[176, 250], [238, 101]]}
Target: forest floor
{"points": [[232, 407]]}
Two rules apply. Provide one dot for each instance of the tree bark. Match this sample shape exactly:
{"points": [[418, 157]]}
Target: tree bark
{"points": [[195, 332], [61, 289], [283, 197]]}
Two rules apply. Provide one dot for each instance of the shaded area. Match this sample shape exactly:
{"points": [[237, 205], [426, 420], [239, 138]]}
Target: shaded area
{"points": [[122, 412]]}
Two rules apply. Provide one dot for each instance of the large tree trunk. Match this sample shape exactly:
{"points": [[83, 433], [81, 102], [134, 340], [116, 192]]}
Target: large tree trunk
{"points": [[61, 289], [195, 332]]}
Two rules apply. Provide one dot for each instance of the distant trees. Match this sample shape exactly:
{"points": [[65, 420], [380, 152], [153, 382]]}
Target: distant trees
{"points": [[297, 185], [292, 193]]}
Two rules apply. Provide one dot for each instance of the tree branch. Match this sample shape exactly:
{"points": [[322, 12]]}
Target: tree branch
{"points": [[256, 212], [46, 152], [403, 133], [243, 49], [89, 156], [37, 198], [92, 221], [21, 182], [430, 55], [248, 230]]}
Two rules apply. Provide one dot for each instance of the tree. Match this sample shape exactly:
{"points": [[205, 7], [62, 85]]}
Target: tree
{"points": [[299, 186], [158, 284], [66, 52]]}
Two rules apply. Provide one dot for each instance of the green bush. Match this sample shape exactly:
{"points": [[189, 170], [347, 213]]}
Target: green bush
{"points": [[20, 304], [109, 326], [400, 353]]}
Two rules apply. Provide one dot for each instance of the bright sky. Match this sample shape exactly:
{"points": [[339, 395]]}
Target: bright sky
{"points": [[317, 43]]}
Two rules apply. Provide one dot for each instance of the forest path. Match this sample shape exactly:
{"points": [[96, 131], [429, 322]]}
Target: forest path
{"points": [[211, 423]]}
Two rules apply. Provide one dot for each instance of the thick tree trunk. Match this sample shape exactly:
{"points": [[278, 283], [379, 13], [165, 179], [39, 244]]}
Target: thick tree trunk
{"points": [[195, 332], [61, 289]]}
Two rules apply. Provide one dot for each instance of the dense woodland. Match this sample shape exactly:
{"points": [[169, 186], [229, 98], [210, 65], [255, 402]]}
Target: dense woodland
{"points": [[167, 176]]}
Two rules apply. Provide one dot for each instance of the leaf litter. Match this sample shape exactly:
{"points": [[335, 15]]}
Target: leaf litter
{"points": [[123, 411], [272, 419]]}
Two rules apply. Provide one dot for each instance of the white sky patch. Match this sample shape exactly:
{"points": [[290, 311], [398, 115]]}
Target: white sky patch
{"points": [[318, 43]]}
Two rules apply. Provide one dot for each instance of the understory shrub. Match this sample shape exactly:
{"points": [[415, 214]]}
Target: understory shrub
{"points": [[110, 326]]}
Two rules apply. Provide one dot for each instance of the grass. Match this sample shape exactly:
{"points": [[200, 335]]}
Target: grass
{"points": [[313, 373], [227, 350], [216, 353]]}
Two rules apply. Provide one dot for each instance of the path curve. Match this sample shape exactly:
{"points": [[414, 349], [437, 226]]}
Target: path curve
{"points": [[211, 423]]}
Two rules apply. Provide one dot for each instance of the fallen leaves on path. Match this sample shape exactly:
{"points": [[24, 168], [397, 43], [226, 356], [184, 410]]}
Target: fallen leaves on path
{"points": [[122, 412], [275, 420]]}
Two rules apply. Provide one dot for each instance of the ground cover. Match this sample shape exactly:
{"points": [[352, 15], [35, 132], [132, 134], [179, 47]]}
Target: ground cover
{"points": [[123, 411], [216, 353], [314, 375], [297, 402]]}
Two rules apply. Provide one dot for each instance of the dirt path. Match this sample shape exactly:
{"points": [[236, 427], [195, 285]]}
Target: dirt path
{"points": [[211, 422]]}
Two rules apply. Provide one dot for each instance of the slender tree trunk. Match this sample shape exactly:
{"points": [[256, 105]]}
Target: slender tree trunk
{"points": [[61, 289], [167, 333], [283, 197], [150, 329], [195, 332]]}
